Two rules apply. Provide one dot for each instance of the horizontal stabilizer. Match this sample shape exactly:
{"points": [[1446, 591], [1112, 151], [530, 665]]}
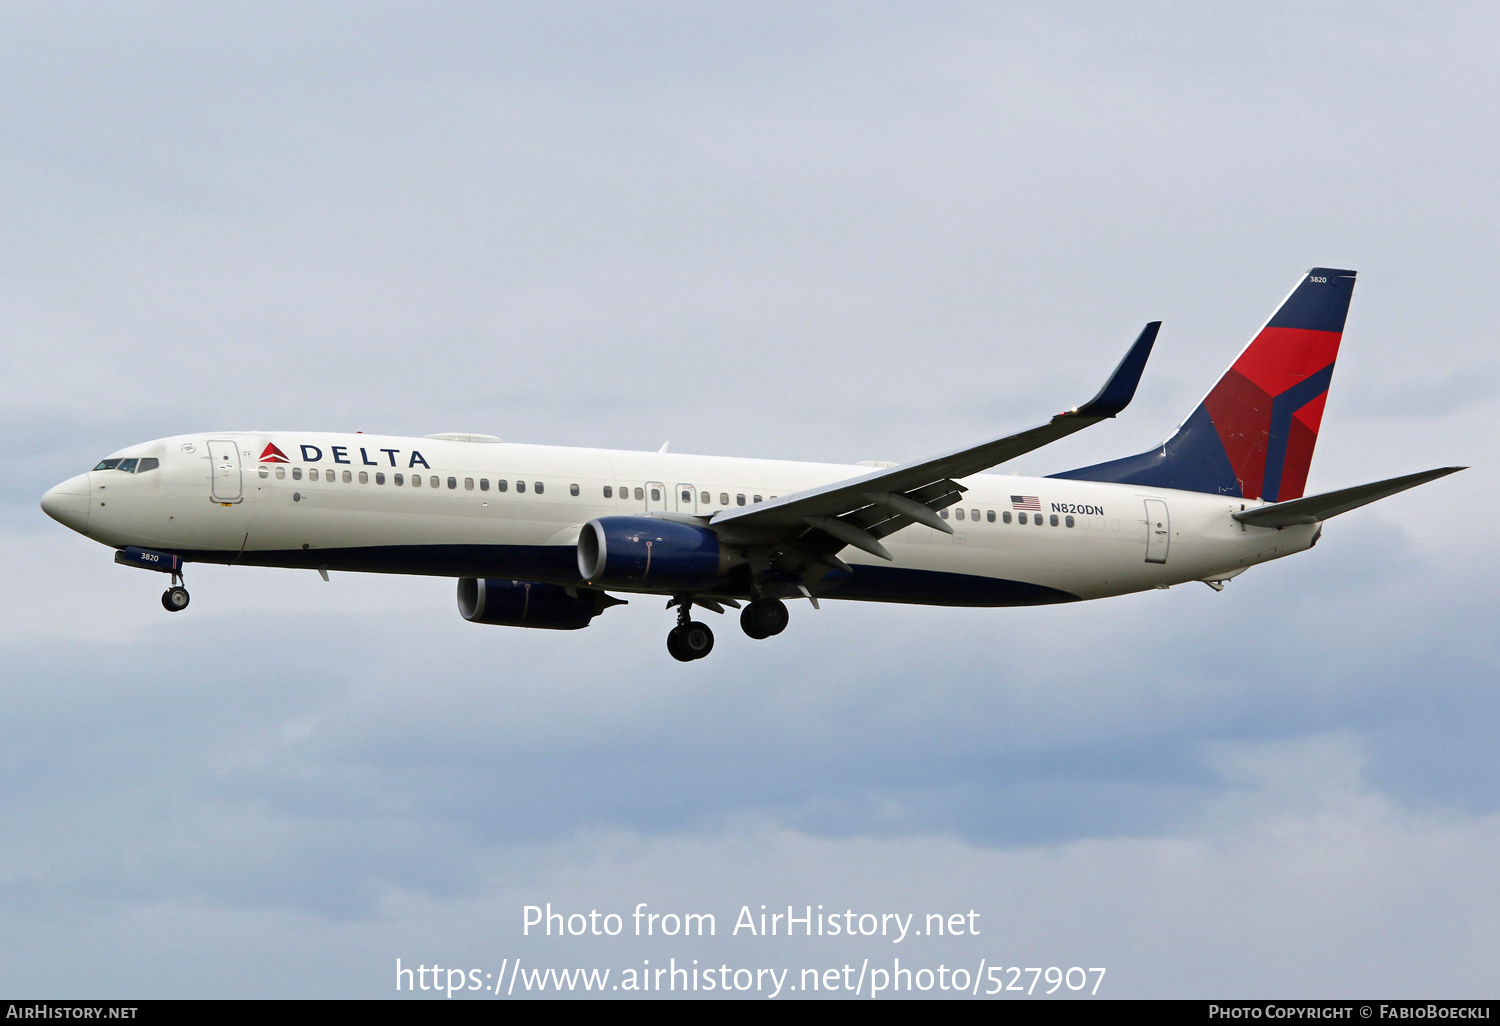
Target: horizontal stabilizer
{"points": [[1314, 508]]}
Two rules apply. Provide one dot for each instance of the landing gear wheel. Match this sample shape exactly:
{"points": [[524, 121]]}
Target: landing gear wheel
{"points": [[689, 641], [764, 618], [674, 646], [697, 639], [174, 600]]}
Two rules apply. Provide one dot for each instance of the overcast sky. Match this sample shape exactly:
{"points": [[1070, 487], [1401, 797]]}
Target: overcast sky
{"points": [[802, 231]]}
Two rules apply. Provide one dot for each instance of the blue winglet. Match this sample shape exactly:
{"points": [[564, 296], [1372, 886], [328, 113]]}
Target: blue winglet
{"points": [[1120, 388]]}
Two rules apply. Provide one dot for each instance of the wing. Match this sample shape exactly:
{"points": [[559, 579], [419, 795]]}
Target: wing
{"points": [[1313, 508], [812, 525]]}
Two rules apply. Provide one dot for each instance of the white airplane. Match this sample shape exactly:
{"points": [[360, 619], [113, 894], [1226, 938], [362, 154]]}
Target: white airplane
{"points": [[538, 535]]}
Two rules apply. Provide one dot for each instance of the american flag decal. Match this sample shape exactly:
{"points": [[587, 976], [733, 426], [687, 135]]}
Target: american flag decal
{"points": [[1026, 502]]}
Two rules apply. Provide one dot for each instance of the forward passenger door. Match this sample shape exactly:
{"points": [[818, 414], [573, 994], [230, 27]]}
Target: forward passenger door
{"points": [[224, 459]]}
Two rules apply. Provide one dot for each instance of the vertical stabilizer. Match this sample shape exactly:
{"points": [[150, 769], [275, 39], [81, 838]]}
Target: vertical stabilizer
{"points": [[1253, 435]]}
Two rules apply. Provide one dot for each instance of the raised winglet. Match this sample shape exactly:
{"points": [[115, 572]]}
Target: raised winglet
{"points": [[841, 497], [1120, 388]]}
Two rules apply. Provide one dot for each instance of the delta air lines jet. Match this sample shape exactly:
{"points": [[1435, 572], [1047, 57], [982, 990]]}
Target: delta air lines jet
{"points": [[540, 536]]}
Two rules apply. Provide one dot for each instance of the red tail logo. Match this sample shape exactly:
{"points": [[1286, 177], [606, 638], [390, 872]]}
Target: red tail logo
{"points": [[271, 454]]}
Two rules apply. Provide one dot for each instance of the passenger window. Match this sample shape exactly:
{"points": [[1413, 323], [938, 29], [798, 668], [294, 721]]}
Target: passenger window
{"points": [[264, 471], [536, 486], [739, 499], [416, 480], [974, 515], [347, 477], [468, 484], [435, 481], [364, 477], [1037, 520], [609, 492], [1020, 518], [1005, 516], [943, 513], [723, 498], [296, 473], [312, 475], [755, 498], [281, 473], [501, 484], [1068, 521], [484, 484], [379, 477], [453, 482], [572, 489], [989, 515], [520, 486], [958, 514], [107, 464], [705, 498], [1053, 519], [397, 479], [687, 496], [656, 495], [640, 493]]}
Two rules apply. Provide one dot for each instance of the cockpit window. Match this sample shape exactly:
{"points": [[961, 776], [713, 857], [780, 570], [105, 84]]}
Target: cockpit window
{"points": [[130, 466]]}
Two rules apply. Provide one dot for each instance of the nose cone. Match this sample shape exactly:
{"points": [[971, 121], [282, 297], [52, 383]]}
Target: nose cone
{"points": [[68, 503]]}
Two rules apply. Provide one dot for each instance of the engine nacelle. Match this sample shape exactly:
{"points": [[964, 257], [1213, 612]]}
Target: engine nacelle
{"points": [[529, 604], [647, 552]]}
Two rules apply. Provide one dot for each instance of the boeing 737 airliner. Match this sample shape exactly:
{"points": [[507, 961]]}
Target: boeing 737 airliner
{"points": [[538, 536]]}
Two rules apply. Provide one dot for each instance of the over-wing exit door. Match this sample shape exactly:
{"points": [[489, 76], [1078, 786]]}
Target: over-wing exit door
{"points": [[1158, 531]]}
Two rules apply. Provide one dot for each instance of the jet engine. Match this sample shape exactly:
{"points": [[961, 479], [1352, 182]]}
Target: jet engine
{"points": [[647, 552], [529, 604]]}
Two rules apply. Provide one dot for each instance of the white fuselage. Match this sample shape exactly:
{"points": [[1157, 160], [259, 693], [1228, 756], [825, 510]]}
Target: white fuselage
{"points": [[212, 498]]}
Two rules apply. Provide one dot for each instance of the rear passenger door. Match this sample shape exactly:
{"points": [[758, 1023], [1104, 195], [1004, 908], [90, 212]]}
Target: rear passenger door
{"points": [[1158, 531]]}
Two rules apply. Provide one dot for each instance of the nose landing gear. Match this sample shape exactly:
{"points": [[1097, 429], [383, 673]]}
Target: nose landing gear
{"points": [[175, 598]]}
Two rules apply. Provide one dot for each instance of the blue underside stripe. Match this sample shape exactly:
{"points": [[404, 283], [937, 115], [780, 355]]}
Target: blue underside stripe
{"points": [[558, 564]]}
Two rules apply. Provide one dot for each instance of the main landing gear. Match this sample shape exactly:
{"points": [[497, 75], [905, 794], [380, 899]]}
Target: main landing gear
{"points": [[764, 618], [175, 598], [690, 639]]}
